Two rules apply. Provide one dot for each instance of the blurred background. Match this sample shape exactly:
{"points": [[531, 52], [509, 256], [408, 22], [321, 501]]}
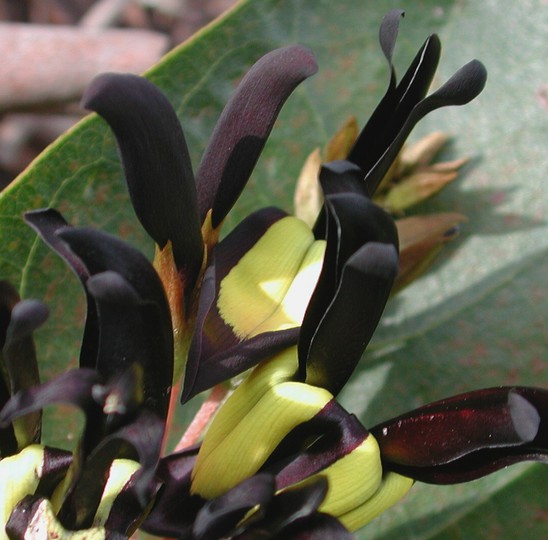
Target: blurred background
{"points": [[51, 49]]}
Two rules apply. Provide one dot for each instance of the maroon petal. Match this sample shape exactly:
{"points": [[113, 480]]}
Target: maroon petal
{"points": [[244, 126], [467, 436]]}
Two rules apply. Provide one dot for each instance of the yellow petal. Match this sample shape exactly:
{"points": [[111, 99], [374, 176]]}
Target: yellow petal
{"points": [[353, 479], [267, 374], [258, 294], [393, 487], [20, 475], [250, 443], [120, 472]]}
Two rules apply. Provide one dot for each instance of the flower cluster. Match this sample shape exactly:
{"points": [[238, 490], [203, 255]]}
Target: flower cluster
{"points": [[285, 308]]}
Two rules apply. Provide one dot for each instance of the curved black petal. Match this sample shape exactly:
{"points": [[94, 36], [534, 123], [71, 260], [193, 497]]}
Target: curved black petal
{"points": [[404, 104], [18, 361], [352, 290], [218, 517], [174, 508], [8, 299], [468, 436], [128, 327], [341, 177], [133, 314], [338, 177], [156, 163], [390, 114], [460, 89], [288, 511], [18, 350], [388, 33], [353, 315], [74, 388], [244, 125], [47, 222], [140, 439]]}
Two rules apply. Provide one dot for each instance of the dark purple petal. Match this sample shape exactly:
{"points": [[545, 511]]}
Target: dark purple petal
{"points": [[341, 177], [18, 366], [18, 360], [388, 33], [129, 335], [244, 126], [156, 163], [218, 517], [334, 432], [404, 104], [133, 314], [390, 114], [47, 222], [352, 290], [126, 512], [216, 353], [174, 508], [338, 177], [74, 387], [317, 526], [121, 396], [71, 388], [18, 351], [467, 436], [287, 510], [54, 466], [8, 299], [460, 89], [352, 317], [141, 440]]}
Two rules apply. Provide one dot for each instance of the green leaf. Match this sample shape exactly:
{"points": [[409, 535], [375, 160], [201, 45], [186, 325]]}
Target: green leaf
{"points": [[477, 319]]}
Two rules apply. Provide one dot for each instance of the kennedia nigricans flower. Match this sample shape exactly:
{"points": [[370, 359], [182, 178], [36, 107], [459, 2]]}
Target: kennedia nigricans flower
{"points": [[122, 386], [222, 346], [297, 304]]}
